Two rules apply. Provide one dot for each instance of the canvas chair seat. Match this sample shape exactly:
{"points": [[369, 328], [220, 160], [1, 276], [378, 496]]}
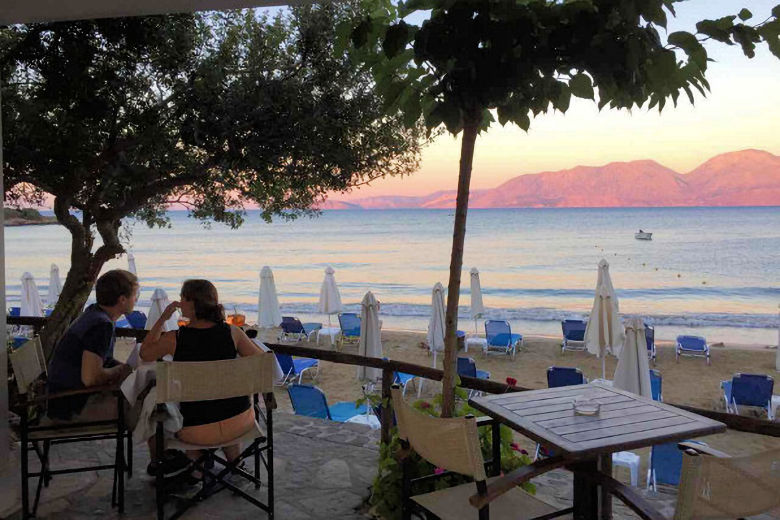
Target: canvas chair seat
{"points": [[73, 432], [256, 433], [453, 504]]}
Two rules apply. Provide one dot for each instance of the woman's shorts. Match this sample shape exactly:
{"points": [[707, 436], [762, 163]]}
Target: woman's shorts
{"points": [[219, 432]]}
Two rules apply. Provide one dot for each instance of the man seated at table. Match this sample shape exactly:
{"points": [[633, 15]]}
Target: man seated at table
{"points": [[83, 357]]}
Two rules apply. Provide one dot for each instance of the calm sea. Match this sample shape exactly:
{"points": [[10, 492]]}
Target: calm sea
{"points": [[710, 271]]}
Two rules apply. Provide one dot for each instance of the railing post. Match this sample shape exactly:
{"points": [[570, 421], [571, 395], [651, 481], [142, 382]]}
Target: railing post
{"points": [[387, 410]]}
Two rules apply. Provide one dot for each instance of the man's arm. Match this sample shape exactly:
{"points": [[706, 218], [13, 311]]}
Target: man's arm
{"points": [[93, 373]]}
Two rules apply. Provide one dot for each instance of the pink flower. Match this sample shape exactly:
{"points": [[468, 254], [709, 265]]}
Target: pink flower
{"points": [[511, 381], [438, 471], [425, 404], [514, 446], [524, 452]]}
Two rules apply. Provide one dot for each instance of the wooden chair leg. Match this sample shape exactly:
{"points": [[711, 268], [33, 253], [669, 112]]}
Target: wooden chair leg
{"points": [[25, 470]]}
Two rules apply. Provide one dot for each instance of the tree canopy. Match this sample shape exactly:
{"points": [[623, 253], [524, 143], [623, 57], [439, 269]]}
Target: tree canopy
{"points": [[122, 117], [471, 59]]}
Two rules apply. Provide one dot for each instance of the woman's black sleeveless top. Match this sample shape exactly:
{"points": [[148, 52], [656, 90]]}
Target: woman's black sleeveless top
{"points": [[210, 344]]}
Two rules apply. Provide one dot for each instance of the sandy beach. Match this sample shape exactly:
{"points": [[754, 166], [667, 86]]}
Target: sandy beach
{"points": [[689, 382]]}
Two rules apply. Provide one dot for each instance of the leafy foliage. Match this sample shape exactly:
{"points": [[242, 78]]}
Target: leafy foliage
{"points": [[122, 117], [522, 58], [386, 490]]}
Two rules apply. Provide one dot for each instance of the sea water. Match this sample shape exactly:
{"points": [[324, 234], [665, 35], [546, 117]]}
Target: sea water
{"points": [[708, 271]]}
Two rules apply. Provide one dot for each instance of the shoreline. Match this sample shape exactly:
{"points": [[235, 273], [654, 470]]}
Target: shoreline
{"points": [[17, 222]]}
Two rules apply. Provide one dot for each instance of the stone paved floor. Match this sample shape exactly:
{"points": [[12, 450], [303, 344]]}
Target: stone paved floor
{"points": [[323, 471]]}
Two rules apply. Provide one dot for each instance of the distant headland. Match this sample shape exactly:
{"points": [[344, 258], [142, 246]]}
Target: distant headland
{"points": [[26, 217]]}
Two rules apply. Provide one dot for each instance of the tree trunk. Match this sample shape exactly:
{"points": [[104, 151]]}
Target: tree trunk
{"points": [[84, 269], [75, 292], [468, 139]]}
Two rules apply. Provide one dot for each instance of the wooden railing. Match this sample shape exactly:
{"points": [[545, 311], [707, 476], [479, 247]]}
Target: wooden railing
{"points": [[390, 367]]}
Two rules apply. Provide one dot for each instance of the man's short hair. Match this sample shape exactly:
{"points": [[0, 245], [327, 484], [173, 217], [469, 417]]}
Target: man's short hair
{"points": [[113, 284]]}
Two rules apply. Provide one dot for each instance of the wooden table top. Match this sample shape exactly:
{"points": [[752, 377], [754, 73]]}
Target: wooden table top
{"points": [[625, 420]]}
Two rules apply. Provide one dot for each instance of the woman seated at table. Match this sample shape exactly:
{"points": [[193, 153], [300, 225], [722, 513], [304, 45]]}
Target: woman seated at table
{"points": [[207, 337]]}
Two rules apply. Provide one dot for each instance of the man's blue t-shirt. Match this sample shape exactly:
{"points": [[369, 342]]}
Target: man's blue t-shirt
{"points": [[92, 331]]}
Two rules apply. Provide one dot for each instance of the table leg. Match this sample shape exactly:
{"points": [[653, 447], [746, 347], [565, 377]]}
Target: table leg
{"points": [[605, 499], [586, 496]]}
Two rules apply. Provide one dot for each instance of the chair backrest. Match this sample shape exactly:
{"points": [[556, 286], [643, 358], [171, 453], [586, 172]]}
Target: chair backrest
{"points": [[498, 332], [291, 325], [752, 389], [666, 463], [28, 363], [692, 342], [285, 363], [656, 385], [185, 381], [649, 336], [349, 323], [137, 319], [573, 330], [452, 444], [308, 400], [564, 376], [734, 487], [467, 367]]}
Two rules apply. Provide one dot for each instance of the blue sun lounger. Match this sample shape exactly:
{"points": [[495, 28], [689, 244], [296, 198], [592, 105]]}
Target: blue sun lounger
{"points": [[692, 346], [564, 376], [295, 367], [749, 390], [350, 328], [656, 385], [650, 339], [499, 337], [311, 401], [573, 332]]}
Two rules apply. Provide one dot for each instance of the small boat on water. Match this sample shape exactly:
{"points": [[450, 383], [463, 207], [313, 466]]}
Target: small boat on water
{"points": [[643, 235]]}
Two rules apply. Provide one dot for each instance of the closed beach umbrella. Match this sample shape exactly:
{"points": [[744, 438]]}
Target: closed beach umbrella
{"points": [[436, 323], [55, 286], [477, 308], [131, 264], [370, 344], [268, 314], [330, 299], [159, 302], [633, 369], [31, 298], [604, 332]]}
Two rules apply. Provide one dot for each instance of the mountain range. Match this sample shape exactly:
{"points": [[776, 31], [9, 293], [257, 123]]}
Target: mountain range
{"points": [[742, 178]]}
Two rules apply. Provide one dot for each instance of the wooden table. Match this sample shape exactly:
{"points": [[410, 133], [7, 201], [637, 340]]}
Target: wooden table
{"points": [[626, 421]]}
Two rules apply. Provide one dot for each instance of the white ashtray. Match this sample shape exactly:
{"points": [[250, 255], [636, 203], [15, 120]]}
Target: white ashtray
{"points": [[586, 406]]}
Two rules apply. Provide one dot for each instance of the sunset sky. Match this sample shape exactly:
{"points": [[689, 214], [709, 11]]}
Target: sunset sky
{"points": [[742, 111]]}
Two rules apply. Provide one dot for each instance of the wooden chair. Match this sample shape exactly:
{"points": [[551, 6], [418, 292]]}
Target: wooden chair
{"points": [[453, 444], [208, 380], [29, 368], [713, 487]]}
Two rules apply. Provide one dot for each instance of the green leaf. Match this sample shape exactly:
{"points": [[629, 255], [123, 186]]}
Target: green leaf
{"points": [[745, 15], [716, 29], [692, 47], [581, 86], [360, 33], [396, 38], [564, 99], [449, 114]]}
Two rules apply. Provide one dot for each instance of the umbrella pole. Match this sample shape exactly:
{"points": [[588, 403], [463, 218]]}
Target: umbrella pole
{"points": [[604, 366]]}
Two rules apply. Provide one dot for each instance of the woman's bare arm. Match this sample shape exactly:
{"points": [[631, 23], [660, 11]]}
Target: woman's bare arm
{"points": [[244, 345]]}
